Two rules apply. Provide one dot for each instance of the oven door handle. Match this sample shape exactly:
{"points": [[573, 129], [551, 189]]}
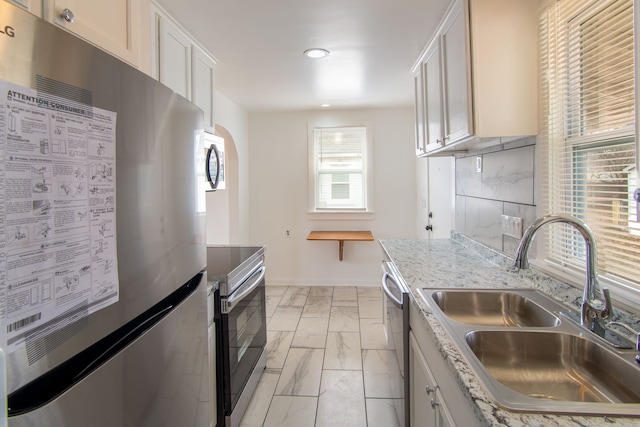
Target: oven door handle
{"points": [[386, 276], [249, 285]]}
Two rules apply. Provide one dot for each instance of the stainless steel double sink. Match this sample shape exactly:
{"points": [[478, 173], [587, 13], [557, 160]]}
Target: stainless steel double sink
{"points": [[531, 357]]}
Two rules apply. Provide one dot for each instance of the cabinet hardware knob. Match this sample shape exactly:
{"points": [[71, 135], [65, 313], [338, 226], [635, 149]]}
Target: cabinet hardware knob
{"points": [[429, 390], [67, 15], [434, 403], [429, 228]]}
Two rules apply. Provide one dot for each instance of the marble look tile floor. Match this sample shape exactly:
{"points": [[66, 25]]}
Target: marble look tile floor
{"points": [[328, 363]]}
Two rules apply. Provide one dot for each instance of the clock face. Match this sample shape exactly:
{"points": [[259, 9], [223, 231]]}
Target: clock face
{"points": [[213, 166]]}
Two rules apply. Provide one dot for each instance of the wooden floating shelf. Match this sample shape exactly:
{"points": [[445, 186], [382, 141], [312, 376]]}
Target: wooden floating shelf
{"points": [[341, 236]]}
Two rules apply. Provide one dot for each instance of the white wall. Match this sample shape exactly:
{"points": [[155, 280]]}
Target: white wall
{"points": [[235, 120], [278, 196]]}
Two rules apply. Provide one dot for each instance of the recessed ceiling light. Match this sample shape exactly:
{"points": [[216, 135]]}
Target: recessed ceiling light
{"points": [[325, 105], [316, 53]]}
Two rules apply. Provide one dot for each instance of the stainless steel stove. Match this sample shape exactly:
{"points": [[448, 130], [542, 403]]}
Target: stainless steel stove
{"points": [[237, 277]]}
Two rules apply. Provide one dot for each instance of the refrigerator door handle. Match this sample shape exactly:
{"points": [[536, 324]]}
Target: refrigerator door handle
{"points": [[249, 285]]}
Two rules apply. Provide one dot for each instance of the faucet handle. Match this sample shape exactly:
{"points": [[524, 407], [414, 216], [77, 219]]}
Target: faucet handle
{"points": [[629, 329], [607, 312]]}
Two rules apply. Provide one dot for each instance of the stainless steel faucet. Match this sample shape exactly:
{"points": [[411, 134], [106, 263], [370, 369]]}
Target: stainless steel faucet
{"points": [[593, 308]]}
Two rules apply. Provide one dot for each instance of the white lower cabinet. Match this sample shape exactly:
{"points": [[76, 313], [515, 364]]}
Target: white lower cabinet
{"points": [[434, 391], [428, 407]]}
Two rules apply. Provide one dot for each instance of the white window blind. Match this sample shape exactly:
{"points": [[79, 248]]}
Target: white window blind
{"points": [[587, 135], [340, 167]]}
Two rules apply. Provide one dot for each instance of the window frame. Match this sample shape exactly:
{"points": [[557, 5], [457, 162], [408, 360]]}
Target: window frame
{"points": [[313, 173], [578, 145]]}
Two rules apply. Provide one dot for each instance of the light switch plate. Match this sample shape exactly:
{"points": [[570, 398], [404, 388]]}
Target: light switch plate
{"points": [[512, 226]]}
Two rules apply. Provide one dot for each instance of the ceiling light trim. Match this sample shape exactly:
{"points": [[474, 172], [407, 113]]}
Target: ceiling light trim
{"points": [[316, 53]]}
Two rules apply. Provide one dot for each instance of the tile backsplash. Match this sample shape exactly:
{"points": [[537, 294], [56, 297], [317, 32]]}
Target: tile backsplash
{"points": [[504, 186]]}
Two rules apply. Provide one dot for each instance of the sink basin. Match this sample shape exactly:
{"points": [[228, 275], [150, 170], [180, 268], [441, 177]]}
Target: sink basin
{"points": [[556, 366], [531, 357], [493, 308]]}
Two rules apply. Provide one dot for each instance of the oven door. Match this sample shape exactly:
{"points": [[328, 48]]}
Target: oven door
{"points": [[243, 337], [397, 308], [396, 303]]}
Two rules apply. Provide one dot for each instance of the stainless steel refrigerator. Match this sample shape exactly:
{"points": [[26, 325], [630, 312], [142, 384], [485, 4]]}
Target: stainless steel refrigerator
{"points": [[102, 250]]}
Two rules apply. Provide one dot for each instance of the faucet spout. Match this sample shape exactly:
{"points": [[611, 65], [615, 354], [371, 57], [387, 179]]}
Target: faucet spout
{"points": [[593, 308]]}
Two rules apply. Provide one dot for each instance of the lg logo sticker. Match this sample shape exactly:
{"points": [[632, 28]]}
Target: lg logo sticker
{"points": [[8, 31]]}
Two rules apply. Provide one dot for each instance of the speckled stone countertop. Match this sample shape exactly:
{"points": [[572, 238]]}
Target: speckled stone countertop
{"points": [[460, 262]]}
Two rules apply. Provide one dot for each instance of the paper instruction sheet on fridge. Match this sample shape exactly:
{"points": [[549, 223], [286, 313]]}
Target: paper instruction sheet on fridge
{"points": [[57, 213]]}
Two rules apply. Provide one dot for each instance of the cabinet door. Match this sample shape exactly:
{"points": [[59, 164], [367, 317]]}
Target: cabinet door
{"points": [[174, 58], [443, 417], [33, 7], [457, 82], [433, 98], [113, 25], [419, 102], [203, 84], [422, 388]]}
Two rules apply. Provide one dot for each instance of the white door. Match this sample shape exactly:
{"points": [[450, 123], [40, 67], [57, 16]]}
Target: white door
{"points": [[436, 195]]}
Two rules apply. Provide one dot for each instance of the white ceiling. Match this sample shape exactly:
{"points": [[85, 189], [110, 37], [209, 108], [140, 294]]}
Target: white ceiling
{"points": [[259, 45]]}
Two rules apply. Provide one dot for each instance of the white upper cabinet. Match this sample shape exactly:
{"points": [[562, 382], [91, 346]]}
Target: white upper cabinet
{"points": [[458, 123], [203, 85], [477, 76], [420, 116], [113, 25], [433, 109], [174, 55], [181, 63], [428, 102]]}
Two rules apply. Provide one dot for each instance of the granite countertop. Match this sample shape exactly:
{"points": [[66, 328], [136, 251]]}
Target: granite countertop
{"points": [[460, 262]]}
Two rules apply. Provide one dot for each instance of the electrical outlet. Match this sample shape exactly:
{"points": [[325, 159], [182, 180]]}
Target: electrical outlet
{"points": [[479, 164], [512, 226]]}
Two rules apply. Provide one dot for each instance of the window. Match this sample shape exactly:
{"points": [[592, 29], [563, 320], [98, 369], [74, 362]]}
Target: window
{"points": [[339, 160], [587, 144]]}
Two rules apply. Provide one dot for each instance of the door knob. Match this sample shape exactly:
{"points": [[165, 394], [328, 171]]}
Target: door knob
{"points": [[67, 15]]}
